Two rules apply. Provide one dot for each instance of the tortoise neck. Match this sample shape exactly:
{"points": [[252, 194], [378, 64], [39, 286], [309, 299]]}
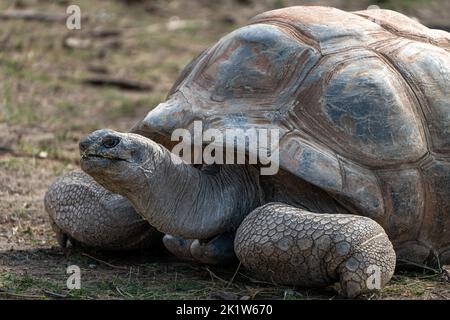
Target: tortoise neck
{"points": [[184, 201]]}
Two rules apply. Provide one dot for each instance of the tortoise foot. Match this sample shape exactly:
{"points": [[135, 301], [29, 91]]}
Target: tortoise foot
{"points": [[291, 246], [216, 251]]}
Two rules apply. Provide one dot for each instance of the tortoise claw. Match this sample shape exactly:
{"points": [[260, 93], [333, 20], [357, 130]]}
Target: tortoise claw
{"points": [[178, 246], [217, 251]]}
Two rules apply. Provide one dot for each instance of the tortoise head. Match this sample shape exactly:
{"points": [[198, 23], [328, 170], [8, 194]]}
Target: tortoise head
{"points": [[115, 158], [164, 189]]}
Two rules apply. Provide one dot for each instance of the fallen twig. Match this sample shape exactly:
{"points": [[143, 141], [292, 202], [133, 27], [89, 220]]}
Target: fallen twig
{"points": [[85, 43], [123, 293], [104, 262], [31, 15], [104, 33], [6, 150], [437, 271], [52, 294], [116, 82], [234, 275], [216, 276]]}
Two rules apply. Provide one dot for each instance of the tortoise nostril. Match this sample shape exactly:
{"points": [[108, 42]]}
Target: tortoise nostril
{"points": [[84, 144], [110, 141]]}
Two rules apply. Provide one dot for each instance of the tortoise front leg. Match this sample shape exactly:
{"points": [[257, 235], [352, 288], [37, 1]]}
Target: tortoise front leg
{"points": [[287, 245], [82, 211]]}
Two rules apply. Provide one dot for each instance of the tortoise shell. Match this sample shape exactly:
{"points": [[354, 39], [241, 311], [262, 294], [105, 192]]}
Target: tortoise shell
{"points": [[362, 101]]}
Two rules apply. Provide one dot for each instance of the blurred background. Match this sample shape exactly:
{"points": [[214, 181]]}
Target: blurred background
{"points": [[57, 85]]}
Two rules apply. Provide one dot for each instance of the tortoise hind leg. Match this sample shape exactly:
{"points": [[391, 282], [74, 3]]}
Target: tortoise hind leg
{"points": [[216, 251], [291, 246]]}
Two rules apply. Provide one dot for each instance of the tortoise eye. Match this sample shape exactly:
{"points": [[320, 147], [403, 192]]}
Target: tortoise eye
{"points": [[110, 141]]}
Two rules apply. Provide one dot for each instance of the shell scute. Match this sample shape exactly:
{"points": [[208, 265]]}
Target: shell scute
{"points": [[363, 108]]}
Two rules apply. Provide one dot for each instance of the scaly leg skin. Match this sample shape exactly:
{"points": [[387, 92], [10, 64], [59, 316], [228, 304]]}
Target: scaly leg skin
{"points": [[291, 246], [216, 251], [88, 215]]}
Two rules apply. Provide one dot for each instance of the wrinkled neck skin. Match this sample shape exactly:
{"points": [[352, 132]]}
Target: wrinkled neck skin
{"points": [[181, 200]]}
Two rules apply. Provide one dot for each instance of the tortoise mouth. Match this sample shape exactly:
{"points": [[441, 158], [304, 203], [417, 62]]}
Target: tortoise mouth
{"points": [[90, 157], [100, 164]]}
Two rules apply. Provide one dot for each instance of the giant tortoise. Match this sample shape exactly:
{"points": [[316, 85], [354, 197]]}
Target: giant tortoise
{"points": [[361, 102]]}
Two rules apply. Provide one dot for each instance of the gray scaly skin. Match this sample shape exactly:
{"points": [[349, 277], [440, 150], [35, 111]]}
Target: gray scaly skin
{"points": [[87, 214], [302, 248], [287, 245]]}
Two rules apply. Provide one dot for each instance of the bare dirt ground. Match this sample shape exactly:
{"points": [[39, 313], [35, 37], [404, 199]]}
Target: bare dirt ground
{"points": [[46, 106]]}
